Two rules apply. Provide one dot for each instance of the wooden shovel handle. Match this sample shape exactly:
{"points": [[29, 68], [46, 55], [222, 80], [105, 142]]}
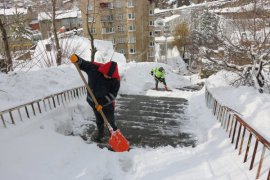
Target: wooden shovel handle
{"points": [[93, 97]]}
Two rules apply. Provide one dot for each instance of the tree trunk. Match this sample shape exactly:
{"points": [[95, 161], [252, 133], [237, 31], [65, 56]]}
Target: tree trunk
{"points": [[6, 65], [58, 49], [93, 48], [184, 52]]}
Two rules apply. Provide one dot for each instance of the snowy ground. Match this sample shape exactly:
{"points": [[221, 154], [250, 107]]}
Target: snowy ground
{"points": [[38, 148]]}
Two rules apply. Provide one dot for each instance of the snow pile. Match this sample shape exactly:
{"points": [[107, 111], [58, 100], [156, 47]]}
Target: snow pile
{"points": [[44, 55], [23, 87]]}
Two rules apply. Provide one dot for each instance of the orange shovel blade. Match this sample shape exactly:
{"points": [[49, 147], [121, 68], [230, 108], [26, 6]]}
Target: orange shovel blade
{"points": [[118, 142]]}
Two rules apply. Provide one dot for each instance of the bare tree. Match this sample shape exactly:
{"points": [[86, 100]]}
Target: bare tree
{"points": [[182, 39], [240, 41], [53, 9], [90, 16], [58, 48], [5, 66], [164, 4]]}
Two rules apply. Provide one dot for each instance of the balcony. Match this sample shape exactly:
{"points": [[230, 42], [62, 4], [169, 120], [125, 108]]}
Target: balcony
{"points": [[106, 5]]}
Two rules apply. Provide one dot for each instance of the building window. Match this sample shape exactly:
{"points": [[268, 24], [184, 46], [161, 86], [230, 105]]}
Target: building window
{"points": [[91, 19], [113, 41], [121, 40], [131, 16], [132, 40], [93, 30], [152, 54], [90, 7], [151, 12], [107, 18], [118, 4], [151, 23], [151, 34], [151, 44], [119, 17], [132, 28], [110, 5], [120, 28], [122, 51], [107, 30], [132, 50], [130, 3]]}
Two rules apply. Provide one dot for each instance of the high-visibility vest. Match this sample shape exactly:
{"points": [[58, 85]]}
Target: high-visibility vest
{"points": [[158, 74]]}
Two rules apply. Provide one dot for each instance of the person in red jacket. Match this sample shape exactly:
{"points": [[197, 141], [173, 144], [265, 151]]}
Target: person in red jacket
{"points": [[104, 80]]}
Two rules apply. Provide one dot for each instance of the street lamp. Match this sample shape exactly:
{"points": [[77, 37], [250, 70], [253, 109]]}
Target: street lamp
{"points": [[166, 32]]}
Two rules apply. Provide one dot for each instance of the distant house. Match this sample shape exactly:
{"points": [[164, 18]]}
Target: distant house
{"points": [[9, 16], [70, 19], [34, 24]]}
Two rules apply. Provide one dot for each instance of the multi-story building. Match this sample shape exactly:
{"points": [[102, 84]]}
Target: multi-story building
{"points": [[129, 24]]}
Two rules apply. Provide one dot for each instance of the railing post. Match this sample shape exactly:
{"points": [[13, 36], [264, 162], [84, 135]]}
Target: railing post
{"points": [[33, 109], [20, 115], [238, 136], [62, 98], [233, 119], [4, 123], [260, 164], [39, 107], [248, 146], [242, 141], [234, 130], [228, 123], [57, 96], [26, 110], [11, 117], [49, 103], [44, 104], [54, 105], [254, 155]]}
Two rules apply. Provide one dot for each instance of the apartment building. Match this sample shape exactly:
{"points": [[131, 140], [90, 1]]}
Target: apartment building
{"points": [[129, 24]]}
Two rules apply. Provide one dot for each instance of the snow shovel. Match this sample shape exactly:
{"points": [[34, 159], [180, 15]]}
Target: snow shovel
{"points": [[117, 141]]}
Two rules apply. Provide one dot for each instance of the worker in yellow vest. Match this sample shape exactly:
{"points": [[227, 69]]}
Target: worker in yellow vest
{"points": [[159, 75]]}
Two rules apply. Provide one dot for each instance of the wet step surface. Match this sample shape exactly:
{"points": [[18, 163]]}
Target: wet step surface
{"points": [[194, 87], [153, 121]]}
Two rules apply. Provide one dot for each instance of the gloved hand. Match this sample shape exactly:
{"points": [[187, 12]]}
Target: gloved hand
{"points": [[74, 58], [98, 107]]}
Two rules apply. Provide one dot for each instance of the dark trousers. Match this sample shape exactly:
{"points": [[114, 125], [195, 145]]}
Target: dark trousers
{"points": [[159, 80], [108, 112]]}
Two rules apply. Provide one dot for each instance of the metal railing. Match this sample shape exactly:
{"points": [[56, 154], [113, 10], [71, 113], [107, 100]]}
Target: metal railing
{"points": [[21, 112], [233, 124]]}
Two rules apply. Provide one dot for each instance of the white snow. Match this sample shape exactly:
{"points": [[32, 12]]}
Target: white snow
{"points": [[13, 11], [39, 148], [59, 15]]}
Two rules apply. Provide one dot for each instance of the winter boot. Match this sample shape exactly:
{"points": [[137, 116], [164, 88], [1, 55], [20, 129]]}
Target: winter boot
{"points": [[166, 88], [97, 136]]}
